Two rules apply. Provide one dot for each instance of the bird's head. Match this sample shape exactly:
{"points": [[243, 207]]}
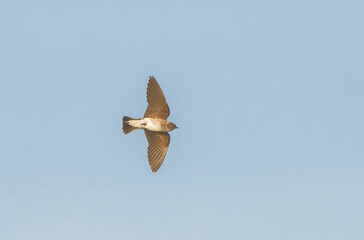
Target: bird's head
{"points": [[171, 126]]}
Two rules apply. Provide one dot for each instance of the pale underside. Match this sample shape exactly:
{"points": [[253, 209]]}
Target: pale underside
{"points": [[151, 124]]}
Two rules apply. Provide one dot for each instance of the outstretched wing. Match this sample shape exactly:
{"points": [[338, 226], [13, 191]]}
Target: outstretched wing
{"points": [[157, 103], [158, 143]]}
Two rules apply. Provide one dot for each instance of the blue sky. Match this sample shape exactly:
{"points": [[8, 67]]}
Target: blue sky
{"points": [[267, 95]]}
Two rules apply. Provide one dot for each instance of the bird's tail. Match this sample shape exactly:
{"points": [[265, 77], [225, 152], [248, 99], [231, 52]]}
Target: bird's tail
{"points": [[127, 128]]}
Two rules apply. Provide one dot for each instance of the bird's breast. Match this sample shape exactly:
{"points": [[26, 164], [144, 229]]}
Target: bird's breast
{"points": [[154, 124]]}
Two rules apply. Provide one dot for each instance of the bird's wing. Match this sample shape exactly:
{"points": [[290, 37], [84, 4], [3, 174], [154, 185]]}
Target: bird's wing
{"points": [[157, 148], [157, 103]]}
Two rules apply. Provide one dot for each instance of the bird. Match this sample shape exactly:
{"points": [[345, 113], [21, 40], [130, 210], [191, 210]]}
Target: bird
{"points": [[154, 123]]}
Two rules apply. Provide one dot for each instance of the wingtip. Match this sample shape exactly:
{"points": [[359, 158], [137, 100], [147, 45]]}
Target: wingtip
{"points": [[154, 170], [151, 168], [152, 78]]}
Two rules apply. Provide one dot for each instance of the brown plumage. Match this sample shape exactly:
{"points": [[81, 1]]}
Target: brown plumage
{"points": [[126, 127], [157, 149], [154, 123], [157, 103]]}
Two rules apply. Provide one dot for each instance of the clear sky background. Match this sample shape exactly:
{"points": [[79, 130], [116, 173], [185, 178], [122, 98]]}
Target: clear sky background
{"points": [[268, 97]]}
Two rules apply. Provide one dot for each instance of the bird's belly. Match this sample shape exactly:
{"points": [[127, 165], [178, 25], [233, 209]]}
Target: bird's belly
{"points": [[153, 125]]}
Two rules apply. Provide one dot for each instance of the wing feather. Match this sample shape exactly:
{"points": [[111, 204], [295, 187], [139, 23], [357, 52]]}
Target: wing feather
{"points": [[157, 103], [158, 143]]}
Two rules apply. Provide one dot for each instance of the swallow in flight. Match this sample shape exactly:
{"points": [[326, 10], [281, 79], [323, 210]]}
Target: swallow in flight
{"points": [[154, 123]]}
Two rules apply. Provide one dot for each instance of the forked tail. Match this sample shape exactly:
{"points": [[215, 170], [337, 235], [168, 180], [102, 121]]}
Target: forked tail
{"points": [[127, 128]]}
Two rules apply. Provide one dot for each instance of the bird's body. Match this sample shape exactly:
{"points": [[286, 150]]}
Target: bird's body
{"points": [[151, 124], [154, 123]]}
